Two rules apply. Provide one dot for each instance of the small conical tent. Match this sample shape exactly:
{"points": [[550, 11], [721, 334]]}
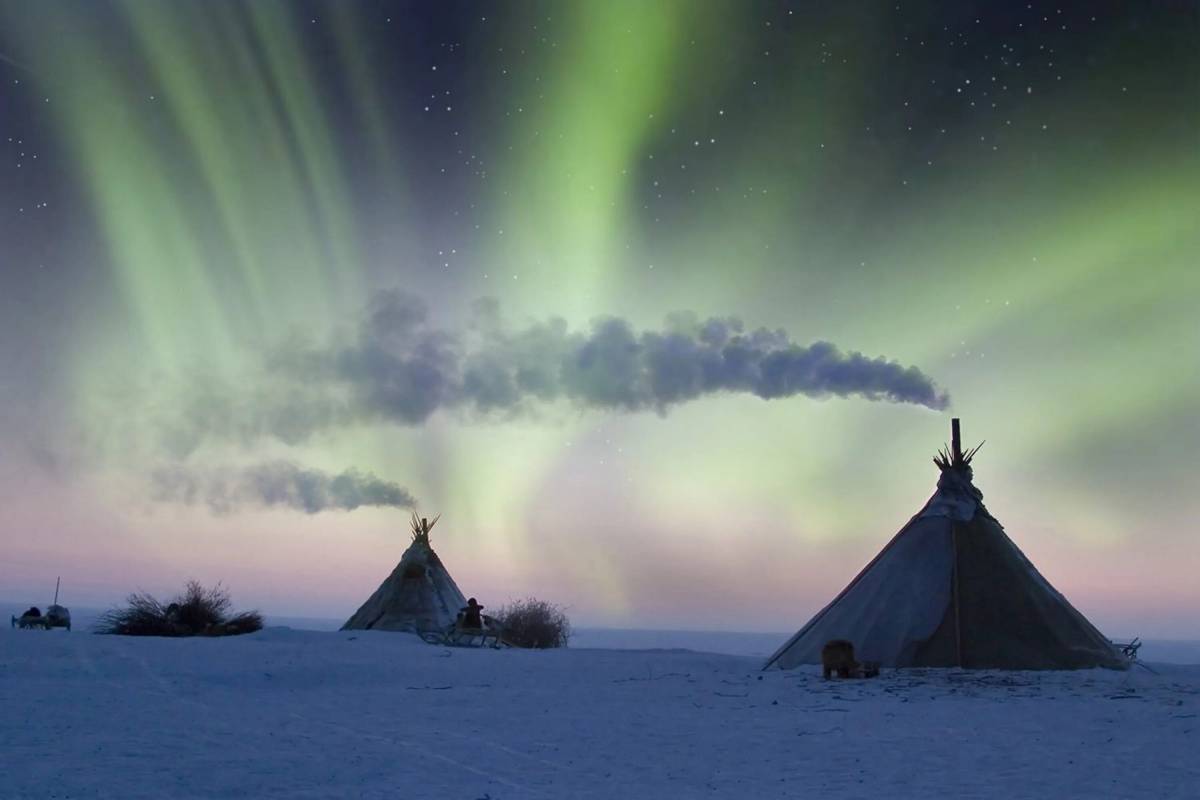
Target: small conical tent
{"points": [[952, 590], [418, 596]]}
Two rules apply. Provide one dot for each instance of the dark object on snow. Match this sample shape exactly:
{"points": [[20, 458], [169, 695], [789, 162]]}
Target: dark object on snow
{"points": [[534, 623], [952, 590], [246, 622], [30, 619], [197, 612], [56, 616], [837, 656]]}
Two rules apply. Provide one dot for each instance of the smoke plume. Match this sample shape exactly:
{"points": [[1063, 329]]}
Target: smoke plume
{"points": [[397, 368], [275, 484], [401, 369]]}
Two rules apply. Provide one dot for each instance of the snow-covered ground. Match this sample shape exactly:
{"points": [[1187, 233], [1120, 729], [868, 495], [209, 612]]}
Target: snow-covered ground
{"points": [[303, 714], [734, 643]]}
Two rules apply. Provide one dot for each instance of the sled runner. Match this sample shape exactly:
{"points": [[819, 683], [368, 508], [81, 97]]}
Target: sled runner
{"points": [[458, 635]]}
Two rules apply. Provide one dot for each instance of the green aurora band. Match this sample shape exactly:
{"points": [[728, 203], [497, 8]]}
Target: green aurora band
{"points": [[644, 158]]}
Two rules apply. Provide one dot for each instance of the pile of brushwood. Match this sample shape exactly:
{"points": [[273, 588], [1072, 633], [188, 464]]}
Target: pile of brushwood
{"points": [[198, 611], [534, 623]]}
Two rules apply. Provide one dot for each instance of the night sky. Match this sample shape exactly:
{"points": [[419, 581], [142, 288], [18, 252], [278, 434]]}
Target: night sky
{"points": [[664, 306]]}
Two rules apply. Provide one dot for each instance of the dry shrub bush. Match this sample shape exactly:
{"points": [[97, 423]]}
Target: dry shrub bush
{"points": [[198, 611], [534, 623]]}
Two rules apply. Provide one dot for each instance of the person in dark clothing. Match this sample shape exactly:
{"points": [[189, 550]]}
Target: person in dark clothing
{"points": [[471, 615]]}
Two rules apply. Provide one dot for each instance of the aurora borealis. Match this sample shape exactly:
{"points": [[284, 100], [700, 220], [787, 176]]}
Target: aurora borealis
{"points": [[202, 203]]}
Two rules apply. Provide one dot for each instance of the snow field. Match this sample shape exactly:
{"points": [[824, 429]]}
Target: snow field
{"points": [[303, 714]]}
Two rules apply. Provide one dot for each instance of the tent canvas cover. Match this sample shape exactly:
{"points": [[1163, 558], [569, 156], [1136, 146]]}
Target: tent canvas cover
{"points": [[952, 590], [418, 596]]}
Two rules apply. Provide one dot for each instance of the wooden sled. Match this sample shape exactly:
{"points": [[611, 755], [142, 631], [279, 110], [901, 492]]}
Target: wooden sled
{"points": [[458, 635]]}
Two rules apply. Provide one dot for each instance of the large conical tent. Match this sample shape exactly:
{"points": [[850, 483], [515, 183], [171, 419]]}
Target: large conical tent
{"points": [[418, 596], [952, 590]]}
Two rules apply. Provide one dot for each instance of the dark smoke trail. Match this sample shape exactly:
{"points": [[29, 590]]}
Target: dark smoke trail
{"points": [[399, 369], [402, 370], [278, 483]]}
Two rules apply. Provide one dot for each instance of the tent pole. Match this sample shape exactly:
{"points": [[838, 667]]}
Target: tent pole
{"points": [[954, 580], [957, 460]]}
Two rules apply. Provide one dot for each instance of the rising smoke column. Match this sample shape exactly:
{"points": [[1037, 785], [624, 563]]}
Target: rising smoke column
{"points": [[401, 369]]}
